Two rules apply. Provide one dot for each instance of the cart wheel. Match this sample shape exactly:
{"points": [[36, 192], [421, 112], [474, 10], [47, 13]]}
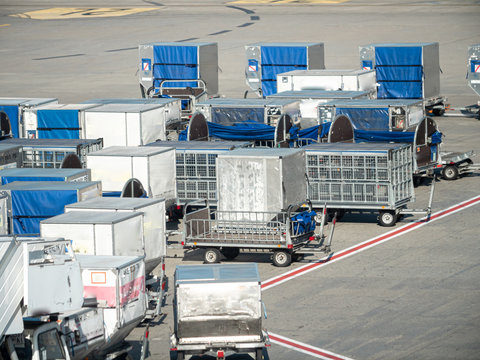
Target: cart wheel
{"points": [[180, 355], [387, 218], [450, 172], [438, 112], [319, 217], [212, 256], [230, 252], [259, 354], [282, 258]]}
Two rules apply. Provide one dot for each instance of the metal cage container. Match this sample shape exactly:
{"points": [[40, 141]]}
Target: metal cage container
{"points": [[360, 176]]}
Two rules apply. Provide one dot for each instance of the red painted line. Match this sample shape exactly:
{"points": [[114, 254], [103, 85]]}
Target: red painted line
{"points": [[305, 348], [376, 240]]}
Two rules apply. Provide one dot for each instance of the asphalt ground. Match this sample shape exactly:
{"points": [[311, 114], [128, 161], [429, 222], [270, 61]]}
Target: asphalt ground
{"points": [[413, 296]]}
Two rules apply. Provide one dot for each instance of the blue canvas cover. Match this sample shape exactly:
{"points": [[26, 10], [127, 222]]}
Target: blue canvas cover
{"points": [[244, 131], [399, 72], [12, 113], [384, 136], [366, 118], [9, 179], [31, 207], [175, 62], [280, 59], [58, 124]]}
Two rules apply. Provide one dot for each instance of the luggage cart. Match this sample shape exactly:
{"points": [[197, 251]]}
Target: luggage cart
{"points": [[226, 233], [454, 164]]}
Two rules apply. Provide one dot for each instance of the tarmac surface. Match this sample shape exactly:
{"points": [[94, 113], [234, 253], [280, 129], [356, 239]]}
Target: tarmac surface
{"points": [[414, 294]]}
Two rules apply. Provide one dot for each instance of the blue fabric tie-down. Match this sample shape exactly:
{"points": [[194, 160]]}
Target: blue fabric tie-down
{"points": [[303, 222], [30, 207], [58, 124], [175, 63]]}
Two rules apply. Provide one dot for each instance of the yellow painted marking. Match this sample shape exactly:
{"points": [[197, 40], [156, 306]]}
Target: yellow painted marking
{"points": [[296, 2], [3, 25], [77, 13]]}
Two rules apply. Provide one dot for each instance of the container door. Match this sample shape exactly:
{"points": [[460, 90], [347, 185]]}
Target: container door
{"points": [[280, 59], [399, 72], [58, 124], [175, 62], [4, 215]]}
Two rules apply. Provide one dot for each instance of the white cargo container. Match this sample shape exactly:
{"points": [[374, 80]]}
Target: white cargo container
{"points": [[340, 79], [260, 179], [10, 156], [95, 233], [55, 121], [153, 212], [128, 124], [118, 284], [153, 167]]}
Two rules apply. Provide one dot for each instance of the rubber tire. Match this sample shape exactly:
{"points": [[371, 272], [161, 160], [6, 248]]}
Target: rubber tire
{"points": [[259, 354], [180, 355], [281, 258], [450, 172], [387, 218], [417, 181], [211, 256], [230, 252], [438, 112], [319, 217]]}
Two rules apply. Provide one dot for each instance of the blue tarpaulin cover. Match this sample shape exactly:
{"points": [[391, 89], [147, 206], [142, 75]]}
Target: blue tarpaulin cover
{"points": [[366, 118], [31, 207], [9, 179], [384, 136], [58, 124], [230, 116], [175, 62], [280, 59], [303, 222], [12, 113], [399, 72]]}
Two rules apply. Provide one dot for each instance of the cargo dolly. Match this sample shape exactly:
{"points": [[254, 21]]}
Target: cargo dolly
{"points": [[453, 164], [285, 233]]}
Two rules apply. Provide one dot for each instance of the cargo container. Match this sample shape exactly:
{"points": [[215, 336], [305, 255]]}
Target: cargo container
{"points": [[378, 114], [406, 71], [330, 80], [153, 167], [24, 204], [126, 124], [473, 68], [118, 285], [56, 121], [152, 211], [265, 60], [10, 155], [25, 174], [368, 176], [184, 70], [260, 179], [196, 167], [98, 233], [227, 111], [55, 153], [218, 311], [310, 100], [12, 111]]}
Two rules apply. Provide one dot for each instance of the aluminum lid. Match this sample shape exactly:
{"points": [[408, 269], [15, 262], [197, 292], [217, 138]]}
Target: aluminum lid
{"points": [[217, 273], [112, 203], [124, 108], [261, 153], [91, 217], [373, 102], [158, 101], [201, 145], [42, 172], [327, 72], [106, 261], [319, 94], [131, 151], [48, 185], [285, 44], [379, 147], [70, 143], [160, 43]]}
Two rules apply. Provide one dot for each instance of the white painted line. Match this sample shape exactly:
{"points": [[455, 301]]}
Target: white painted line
{"points": [[305, 348], [280, 279]]}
